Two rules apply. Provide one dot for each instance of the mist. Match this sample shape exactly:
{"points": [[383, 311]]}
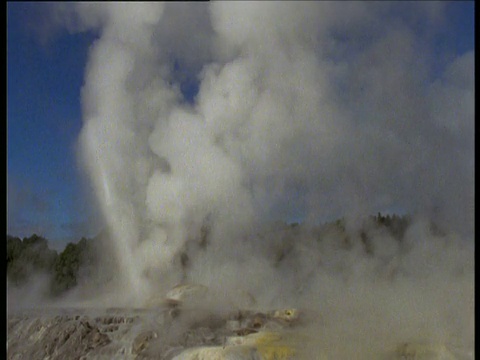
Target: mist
{"points": [[305, 111]]}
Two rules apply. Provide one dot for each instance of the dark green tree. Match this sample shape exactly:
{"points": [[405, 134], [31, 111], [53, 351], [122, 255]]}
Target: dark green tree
{"points": [[69, 263], [32, 255]]}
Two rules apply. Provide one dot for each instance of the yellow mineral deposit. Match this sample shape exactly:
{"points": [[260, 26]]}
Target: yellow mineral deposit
{"points": [[261, 346]]}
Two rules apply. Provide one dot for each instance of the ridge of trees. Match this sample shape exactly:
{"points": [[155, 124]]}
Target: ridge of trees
{"points": [[32, 254]]}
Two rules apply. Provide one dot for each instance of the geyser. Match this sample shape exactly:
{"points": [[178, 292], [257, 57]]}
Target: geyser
{"points": [[315, 110]]}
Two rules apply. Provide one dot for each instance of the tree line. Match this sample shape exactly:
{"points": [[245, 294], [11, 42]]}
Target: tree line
{"points": [[32, 255]]}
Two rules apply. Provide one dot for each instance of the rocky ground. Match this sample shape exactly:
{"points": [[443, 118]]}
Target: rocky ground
{"points": [[161, 333], [183, 326], [172, 333]]}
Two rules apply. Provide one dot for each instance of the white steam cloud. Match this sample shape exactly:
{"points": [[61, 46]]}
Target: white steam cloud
{"points": [[305, 109]]}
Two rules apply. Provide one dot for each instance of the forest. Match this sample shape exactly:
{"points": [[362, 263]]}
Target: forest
{"points": [[32, 255]]}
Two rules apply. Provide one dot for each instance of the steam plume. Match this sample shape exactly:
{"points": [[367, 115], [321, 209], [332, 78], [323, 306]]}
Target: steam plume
{"points": [[313, 110]]}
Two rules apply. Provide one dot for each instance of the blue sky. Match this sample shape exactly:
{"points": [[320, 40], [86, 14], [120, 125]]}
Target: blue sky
{"points": [[46, 192], [43, 122]]}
